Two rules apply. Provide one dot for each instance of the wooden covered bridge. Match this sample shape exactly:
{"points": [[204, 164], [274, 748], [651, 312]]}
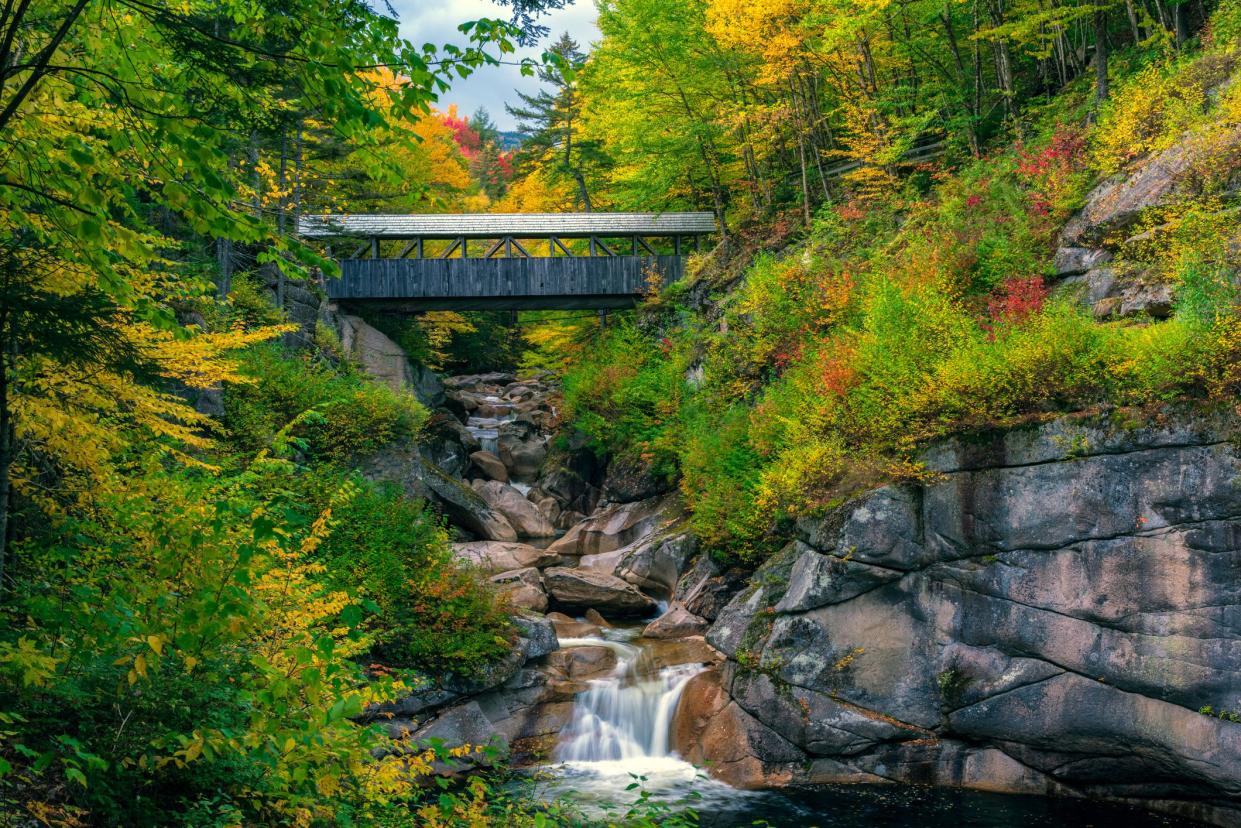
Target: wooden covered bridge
{"points": [[508, 261]]}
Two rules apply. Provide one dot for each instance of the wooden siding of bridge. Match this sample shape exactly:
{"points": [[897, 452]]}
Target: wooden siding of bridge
{"points": [[502, 284]]}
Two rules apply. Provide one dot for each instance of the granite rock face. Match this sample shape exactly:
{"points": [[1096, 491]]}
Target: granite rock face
{"points": [[1049, 616]]}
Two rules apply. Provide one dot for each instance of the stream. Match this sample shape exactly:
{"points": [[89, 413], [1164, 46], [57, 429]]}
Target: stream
{"points": [[619, 731]]}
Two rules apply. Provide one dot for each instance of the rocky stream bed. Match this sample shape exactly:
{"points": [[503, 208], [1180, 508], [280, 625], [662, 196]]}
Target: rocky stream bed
{"points": [[1046, 619]]}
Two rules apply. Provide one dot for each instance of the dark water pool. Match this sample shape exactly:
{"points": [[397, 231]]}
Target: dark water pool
{"points": [[908, 806], [601, 790]]}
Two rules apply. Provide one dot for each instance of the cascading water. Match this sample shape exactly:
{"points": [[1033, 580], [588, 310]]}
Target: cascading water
{"points": [[626, 715]]}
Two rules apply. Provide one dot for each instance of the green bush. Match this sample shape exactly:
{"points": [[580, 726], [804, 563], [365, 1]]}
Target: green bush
{"points": [[432, 613], [334, 412]]}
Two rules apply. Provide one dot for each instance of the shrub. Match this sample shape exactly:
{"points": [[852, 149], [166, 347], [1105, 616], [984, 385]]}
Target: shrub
{"points": [[333, 412], [432, 613]]}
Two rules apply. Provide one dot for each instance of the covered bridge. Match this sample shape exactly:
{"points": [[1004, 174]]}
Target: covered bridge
{"points": [[505, 261]]}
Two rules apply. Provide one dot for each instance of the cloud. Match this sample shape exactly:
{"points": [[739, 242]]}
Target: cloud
{"points": [[426, 21]]}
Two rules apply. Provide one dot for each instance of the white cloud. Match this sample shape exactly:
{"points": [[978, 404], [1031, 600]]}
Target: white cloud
{"points": [[426, 21]]}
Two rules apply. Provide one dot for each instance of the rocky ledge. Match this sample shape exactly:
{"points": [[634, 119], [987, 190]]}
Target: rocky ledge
{"points": [[1060, 612]]}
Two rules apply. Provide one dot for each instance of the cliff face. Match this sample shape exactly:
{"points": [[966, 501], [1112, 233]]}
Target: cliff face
{"points": [[1051, 615]]}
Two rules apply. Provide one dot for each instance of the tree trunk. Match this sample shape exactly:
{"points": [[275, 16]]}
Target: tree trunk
{"points": [[1134, 28], [1180, 13], [805, 186], [1100, 55]]}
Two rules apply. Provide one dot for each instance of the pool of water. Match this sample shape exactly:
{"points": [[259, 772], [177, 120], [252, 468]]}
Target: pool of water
{"points": [[600, 789]]}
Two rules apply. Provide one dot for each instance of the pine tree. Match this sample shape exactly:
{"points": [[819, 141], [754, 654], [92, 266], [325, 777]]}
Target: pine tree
{"points": [[552, 120]]}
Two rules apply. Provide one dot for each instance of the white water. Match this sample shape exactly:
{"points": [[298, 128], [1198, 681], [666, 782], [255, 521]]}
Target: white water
{"points": [[625, 716]]}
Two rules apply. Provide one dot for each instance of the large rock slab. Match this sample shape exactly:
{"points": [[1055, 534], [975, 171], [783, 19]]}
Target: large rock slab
{"points": [[617, 526], [1049, 614], [494, 557], [587, 589]]}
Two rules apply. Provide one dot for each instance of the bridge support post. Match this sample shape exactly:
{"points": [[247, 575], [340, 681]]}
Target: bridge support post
{"points": [[603, 319]]}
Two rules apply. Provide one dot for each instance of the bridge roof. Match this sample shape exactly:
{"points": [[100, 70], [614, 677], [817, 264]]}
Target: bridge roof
{"points": [[496, 225]]}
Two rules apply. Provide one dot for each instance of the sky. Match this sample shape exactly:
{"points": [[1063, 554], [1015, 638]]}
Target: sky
{"points": [[424, 21]]}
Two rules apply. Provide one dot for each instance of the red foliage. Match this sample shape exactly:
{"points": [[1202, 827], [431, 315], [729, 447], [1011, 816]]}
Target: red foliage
{"points": [[851, 211], [465, 136], [1017, 300], [973, 201], [1047, 171]]}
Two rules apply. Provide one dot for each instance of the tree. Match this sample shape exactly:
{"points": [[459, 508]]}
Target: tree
{"points": [[552, 120], [132, 134]]}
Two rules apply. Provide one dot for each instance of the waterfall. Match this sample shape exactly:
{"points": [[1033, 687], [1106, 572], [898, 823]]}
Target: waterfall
{"points": [[626, 715]]}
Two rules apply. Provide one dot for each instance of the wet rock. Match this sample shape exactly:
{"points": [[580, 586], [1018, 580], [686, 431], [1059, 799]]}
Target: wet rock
{"points": [[666, 652], [677, 622], [522, 449], [709, 728], [567, 627], [592, 616], [497, 556], [584, 589], [521, 514], [490, 466], [521, 589]]}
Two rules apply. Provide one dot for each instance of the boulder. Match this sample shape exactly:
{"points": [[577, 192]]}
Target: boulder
{"points": [[538, 632], [521, 589], [446, 443], [583, 589], [592, 616], [497, 556], [655, 565], [582, 662], [617, 526], [418, 478], [464, 725], [705, 588], [428, 387], [490, 466], [677, 622], [521, 514], [379, 356], [567, 627], [522, 449], [631, 479], [1070, 261]]}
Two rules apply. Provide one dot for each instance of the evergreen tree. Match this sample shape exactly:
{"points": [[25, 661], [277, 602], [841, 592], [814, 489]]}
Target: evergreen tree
{"points": [[552, 120]]}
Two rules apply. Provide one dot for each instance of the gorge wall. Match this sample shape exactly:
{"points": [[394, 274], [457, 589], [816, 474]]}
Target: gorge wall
{"points": [[1050, 615]]}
